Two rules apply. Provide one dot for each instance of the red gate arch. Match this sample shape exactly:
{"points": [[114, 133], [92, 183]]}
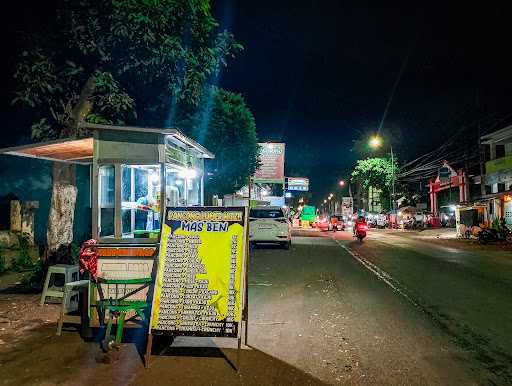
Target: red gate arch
{"points": [[456, 179]]}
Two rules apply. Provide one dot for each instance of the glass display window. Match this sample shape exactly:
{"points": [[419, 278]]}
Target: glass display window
{"points": [[175, 188], [106, 200], [183, 186], [140, 201], [194, 191]]}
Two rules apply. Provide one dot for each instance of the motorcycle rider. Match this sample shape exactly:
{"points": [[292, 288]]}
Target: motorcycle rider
{"points": [[361, 220]]}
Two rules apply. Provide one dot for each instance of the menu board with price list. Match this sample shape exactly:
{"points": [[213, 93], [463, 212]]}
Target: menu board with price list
{"points": [[200, 273]]}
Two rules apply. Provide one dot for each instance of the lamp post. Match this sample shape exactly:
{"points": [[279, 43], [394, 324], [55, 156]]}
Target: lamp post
{"points": [[376, 142], [342, 184]]}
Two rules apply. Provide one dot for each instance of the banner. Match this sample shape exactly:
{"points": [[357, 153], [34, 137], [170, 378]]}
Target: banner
{"points": [[298, 183], [200, 271], [347, 206], [271, 169]]}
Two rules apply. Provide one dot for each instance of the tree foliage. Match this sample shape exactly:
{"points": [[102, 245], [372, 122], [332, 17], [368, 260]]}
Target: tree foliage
{"points": [[226, 126], [375, 172], [120, 61]]}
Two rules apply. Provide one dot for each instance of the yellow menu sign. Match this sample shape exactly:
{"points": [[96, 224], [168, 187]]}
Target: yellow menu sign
{"points": [[200, 271]]}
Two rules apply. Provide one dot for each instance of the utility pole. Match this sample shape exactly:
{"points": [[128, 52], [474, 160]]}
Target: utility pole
{"points": [[392, 177]]}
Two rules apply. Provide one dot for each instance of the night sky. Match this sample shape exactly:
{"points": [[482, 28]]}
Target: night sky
{"points": [[318, 74]]}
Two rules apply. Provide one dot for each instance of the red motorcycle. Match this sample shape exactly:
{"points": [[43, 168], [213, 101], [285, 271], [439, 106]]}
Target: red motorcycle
{"points": [[360, 232]]}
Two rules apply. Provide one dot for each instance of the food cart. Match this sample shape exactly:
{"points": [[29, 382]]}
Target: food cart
{"points": [[135, 173]]}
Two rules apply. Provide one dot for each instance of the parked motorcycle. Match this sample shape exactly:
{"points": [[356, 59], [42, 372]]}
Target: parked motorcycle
{"points": [[488, 235], [408, 223]]}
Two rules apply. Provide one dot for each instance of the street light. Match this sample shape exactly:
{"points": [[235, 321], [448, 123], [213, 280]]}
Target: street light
{"points": [[342, 183], [376, 142]]}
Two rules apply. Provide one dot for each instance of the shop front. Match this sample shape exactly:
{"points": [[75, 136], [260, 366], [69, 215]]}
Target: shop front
{"points": [[470, 218], [499, 207]]}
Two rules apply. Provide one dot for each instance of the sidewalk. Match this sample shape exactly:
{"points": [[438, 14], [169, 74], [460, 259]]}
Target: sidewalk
{"points": [[446, 237], [429, 233], [437, 233]]}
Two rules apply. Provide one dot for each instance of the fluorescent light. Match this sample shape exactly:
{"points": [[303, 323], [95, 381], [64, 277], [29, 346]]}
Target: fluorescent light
{"points": [[188, 173]]}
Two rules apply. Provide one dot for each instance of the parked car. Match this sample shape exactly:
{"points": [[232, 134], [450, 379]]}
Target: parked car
{"points": [[371, 220], [420, 220], [382, 221], [336, 223], [268, 224], [322, 223]]}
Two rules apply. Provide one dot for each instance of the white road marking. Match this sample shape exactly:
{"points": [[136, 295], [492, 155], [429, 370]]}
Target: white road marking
{"points": [[381, 274]]}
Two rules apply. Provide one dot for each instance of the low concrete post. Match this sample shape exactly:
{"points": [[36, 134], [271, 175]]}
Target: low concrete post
{"points": [[15, 216], [22, 218], [28, 209]]}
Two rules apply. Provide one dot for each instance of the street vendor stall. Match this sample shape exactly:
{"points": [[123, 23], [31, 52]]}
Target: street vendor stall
{"points": [[135, 173], [470, 219], [151, 235]]}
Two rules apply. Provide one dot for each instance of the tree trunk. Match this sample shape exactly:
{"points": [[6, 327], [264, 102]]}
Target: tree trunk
{"points": [[59, 235]]}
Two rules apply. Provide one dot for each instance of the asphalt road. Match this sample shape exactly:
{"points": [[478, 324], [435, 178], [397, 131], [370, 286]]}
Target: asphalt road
{"points": [[317, 316], [317, 308], [466, 290]]}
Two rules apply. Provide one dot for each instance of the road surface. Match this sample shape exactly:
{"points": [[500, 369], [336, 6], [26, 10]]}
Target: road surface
{"points": [[465, 289], [317, 316], [317, 308]]}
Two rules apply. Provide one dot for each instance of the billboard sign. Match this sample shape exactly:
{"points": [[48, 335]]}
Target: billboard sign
{"points": [[200, 276], [347, 206], [298, 183], [271, 169]]}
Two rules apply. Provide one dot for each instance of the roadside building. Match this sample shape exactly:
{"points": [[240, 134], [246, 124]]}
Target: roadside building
{"points": [[497, 180]]}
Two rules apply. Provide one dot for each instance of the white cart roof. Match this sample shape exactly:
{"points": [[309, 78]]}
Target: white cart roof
{"points": [[77, 151], [80, 151]]}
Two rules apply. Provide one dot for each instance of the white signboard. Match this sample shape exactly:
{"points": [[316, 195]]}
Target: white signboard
{"points": [[298, 183], [347, 206]]}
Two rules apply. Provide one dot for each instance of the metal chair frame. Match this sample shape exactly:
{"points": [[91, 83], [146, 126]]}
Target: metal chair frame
{"points": [[118, 307]]}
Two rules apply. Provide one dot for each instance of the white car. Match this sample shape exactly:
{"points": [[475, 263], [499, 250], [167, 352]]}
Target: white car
{"points": [[268, 224]]}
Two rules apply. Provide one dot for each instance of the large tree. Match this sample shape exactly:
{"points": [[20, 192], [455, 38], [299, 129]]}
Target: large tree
{"points": [[225, 125], [115, 61], [376, 173]]}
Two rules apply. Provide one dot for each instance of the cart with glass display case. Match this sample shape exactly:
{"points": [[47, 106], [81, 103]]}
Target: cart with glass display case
{"points": [[135, 172]]}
